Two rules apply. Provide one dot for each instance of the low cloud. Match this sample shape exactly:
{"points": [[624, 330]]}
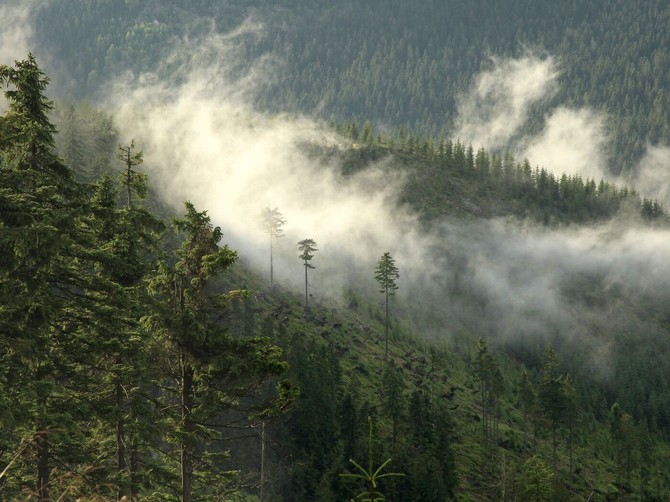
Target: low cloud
{"points": [[572, 142], [497, 106], [16, 30], [653, 174], [204, 142]]}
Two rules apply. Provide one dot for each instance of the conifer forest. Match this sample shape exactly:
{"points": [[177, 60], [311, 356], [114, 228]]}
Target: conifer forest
{"points": [[257, 251]]}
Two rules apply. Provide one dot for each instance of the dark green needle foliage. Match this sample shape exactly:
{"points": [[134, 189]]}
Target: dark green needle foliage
{"points": [[386, 274], [307, 248], [370, 475]]}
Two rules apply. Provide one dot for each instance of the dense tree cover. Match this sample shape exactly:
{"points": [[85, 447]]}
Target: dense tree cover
{"points": [[93, 328], [386, 273], [448, 178], [403, 65], [144, 371]]}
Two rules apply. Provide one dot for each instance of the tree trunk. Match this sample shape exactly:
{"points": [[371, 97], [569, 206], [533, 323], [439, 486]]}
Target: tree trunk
{"points": [[306, 301], [262, 460], [553, 445], [187, 425], [271, 265], [42, 447], [42, 450], [134, 469], [386, 348], [120, 441]]}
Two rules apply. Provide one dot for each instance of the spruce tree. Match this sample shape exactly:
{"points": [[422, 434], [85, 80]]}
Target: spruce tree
{"points": [[213, 369], [38, 214], [552, 399], [386, 274], [272, 223], [307, 248]]}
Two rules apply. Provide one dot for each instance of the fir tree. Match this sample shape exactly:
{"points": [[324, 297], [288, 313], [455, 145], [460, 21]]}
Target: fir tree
{"points": [[386, 274]]}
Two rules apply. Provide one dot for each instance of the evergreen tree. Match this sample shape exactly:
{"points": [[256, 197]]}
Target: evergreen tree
{"points": [[552, 399], [215, 370], [624, 438], [307, 248], [527, 397], [536, 480], [386, 274], [132, 180], [272, 222], [38, 217]]}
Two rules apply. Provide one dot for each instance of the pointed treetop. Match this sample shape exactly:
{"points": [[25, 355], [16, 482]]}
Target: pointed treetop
{"points": [[307, 247], [272, 221], [386, 274]]}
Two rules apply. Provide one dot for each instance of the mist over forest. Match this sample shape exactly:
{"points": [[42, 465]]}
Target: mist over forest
{"points": [[512, 157]]}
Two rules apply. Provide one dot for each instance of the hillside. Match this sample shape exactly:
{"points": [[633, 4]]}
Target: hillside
{"points": [[335, 352], [403, 65], [159, 340]]}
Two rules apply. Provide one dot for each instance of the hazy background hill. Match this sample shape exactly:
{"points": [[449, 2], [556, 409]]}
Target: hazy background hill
{"points": [[398, 63]]}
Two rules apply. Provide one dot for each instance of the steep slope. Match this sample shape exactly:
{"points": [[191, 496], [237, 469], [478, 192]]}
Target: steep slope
{"points": [[427, 404], [406, 64]]}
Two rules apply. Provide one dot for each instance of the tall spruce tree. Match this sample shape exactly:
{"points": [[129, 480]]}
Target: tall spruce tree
{"points": [[38, 215], [307, 248], [126, 238], [213, 370], [552, 399], [272, 223], [386, 274]]}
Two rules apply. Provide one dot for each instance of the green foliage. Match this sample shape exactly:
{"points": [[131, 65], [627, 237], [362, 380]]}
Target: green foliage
{"points": [[89, 357], [119, 400], [537, 480], [386, 274], [405, 66], [307, 248], [370, 476], [131, 179]]}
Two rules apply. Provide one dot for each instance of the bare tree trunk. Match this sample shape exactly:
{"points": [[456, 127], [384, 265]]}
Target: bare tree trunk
{"points": [[386, 348], [42, 447], [306, 301], [120, 441], [41, 440], [187, 441], [262, 460]]}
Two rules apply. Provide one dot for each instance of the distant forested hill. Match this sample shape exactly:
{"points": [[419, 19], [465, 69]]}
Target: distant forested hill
{"points": [[395, 62]]}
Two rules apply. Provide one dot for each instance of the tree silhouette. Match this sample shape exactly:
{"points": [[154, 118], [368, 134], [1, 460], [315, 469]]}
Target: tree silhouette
{"points": [[307, 247], [272, 222], [386, 273]]}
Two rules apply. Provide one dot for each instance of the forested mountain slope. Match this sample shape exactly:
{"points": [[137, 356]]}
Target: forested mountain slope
{"points": [[396, 63], [529, 350]]}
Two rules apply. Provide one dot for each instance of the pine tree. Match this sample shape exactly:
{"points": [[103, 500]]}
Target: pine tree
{"points": [[552, 398], [272, 223], [386, 274], [126, 237], [527, 397], [307, 248], [214, 369], [38, 225]]}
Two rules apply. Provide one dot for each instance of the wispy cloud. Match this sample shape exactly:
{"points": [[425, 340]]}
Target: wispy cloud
{"points": [[653, 173], [496, 107], [204, 142], [16, 30], [572, 142]]}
